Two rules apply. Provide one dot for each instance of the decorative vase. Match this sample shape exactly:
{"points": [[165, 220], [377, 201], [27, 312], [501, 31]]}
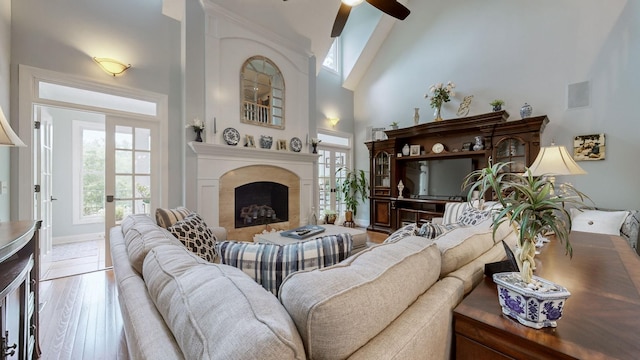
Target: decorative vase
{"points": [[497, 107], [405, 150], [479, 145], [526, 110], [400, 190], [436, 114], [266, 141], [330, 218], [314, 147], [537, 306], [198, 135], [416, 116]]}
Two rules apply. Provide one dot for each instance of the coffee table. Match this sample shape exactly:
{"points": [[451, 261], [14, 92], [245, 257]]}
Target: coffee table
{"points": [[359, 237], [601, 319]]}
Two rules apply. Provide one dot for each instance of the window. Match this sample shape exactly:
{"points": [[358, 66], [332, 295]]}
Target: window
{"points": [[88, 164], [331, 61]]}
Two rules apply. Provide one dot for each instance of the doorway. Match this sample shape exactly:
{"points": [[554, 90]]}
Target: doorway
{"points": [[90, 143], [335, 155]]}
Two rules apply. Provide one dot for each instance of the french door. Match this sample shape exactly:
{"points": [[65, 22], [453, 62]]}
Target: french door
{"points": [[131, 170], [330, 161], [43, 197]]}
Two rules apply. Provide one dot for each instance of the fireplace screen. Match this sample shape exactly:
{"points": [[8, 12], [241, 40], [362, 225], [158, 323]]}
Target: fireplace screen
{"points": [[260, 203]]}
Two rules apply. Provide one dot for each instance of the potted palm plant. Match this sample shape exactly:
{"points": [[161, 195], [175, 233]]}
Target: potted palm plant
{"points": [[533, 207], [354, 188]]}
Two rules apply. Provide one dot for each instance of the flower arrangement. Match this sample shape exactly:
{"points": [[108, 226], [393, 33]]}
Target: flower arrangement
{"points": [[196, 124], [315, 141], [440, 94]]}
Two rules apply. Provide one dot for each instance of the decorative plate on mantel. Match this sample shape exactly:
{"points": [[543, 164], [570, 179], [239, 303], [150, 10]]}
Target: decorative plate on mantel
{"points": [[296, 144], [231, 136]]}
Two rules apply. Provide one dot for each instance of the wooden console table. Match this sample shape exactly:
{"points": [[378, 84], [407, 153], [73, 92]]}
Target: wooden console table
{"points": [[601, 319], [19, 281]]}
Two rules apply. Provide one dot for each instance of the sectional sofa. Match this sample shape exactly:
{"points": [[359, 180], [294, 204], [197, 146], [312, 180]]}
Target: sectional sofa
{"points": [[389, 301]]}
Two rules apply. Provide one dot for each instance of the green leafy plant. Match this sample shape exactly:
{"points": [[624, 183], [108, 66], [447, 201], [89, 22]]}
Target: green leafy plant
{"points": [[353, 188], [440, 94], [395, 123], [497, 102], [530, 204]]}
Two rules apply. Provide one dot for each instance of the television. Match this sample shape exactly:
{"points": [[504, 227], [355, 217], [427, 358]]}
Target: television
{"points": [[439, 179]]}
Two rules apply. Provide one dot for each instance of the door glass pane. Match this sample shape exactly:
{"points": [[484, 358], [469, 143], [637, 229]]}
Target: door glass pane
{"points": [[123, 208], [124, 137], [124, 187], [143, 162], [143, 187], [143, 139], [123, 162]]}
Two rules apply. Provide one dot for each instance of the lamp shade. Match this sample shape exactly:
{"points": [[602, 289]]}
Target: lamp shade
{"points": [[111, 66], [7, 136], [555, 160]]}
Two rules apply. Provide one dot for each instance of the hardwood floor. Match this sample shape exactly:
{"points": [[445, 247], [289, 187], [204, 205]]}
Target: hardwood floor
{"points": [[80, 316]]}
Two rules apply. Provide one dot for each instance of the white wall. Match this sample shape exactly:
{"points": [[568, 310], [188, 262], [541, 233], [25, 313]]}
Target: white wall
{"points": [[520, 52], [5, 59], [63, 36]]}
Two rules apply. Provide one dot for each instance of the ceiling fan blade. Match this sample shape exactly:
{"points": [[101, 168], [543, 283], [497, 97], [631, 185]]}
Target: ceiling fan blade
{"points": [[341, 20], [391, 7]]}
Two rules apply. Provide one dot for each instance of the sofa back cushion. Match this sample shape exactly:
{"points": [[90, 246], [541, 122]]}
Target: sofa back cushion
{"points": [[141, 234], [216, 311], [462, 245], [340, 308], [269, 264]]}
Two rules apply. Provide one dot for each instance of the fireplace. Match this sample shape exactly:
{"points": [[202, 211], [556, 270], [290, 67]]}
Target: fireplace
{"points": [[221, 169], [260, 203]]}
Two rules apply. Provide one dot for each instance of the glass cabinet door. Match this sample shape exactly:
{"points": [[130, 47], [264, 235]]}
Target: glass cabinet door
{"points": [[382, 169], [511, 150]]}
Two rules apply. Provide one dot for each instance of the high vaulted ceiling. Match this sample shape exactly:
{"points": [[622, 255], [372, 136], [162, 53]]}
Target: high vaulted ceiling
{"points": [[301, 21]]}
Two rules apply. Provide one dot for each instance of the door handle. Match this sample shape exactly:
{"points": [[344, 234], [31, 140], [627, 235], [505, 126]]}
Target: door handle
{"points": [[110, 198], [53, 199]]}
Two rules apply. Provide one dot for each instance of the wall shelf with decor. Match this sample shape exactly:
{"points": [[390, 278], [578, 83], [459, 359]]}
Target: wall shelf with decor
{"points": [[433, 176]]}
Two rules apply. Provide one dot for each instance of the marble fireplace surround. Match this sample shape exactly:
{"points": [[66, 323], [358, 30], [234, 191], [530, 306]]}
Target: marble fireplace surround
{"points": [[222, 168]]}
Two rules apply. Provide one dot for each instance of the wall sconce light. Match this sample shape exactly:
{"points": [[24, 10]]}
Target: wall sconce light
{"points": [[7, 136], [111, 66], [334, 121]]}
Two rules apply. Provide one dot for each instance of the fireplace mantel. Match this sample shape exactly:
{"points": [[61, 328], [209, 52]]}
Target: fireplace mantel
{"points": [[213, 161], [229, 151]]}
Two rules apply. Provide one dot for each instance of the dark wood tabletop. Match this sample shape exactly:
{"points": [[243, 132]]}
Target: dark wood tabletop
{"points": [[601, 319]]}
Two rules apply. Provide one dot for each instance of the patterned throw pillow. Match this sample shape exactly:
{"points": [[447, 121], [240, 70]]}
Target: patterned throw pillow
{"points": [[453, 211], [403, 232], [269, 264], [430, 230], [196, 236], [629, 228], [168, 217], [472, 216]]}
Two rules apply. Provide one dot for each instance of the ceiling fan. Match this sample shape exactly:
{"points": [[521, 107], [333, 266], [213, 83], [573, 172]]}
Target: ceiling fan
{"points": [[390, 7]]}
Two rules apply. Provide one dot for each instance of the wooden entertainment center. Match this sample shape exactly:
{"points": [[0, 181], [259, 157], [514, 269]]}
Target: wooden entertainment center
{"points": [[432, 147]]}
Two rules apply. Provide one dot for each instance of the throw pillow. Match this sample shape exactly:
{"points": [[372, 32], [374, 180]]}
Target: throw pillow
{"points": [[403, 232], [269, 264], [472, 216], [597, 221], [168, 217], [452, 211], [196, 236], [430, 230], [629, 228]]}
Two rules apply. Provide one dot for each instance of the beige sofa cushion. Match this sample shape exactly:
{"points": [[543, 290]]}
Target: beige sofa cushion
{"points": [[216, 311], [462, 245], [141, 234], [340, 308]]}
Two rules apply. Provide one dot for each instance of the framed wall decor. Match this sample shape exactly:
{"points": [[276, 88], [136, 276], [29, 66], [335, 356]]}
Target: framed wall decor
{"points": [[282, 145], [414, 150], [589, 147], [250, 141]]}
